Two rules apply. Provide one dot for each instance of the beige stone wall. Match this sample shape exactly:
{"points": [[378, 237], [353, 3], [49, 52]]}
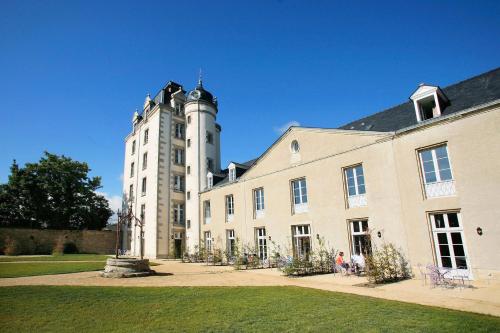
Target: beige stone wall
{"points": [[396, 204], [87, 241]]}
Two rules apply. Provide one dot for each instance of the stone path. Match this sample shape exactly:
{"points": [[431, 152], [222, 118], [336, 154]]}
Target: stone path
{"points": [[483, 298]]}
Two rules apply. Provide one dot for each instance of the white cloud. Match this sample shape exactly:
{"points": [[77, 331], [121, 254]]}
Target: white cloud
{"points": [[282, 129], [115, 203]]}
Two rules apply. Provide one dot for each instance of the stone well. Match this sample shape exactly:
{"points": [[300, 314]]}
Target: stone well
{"points": [[126, 267]]}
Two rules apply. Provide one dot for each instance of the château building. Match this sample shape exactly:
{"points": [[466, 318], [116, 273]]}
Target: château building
{"points": [[423, 175]]}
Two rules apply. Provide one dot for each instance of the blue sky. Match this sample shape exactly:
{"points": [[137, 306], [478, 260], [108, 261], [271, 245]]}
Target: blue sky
{"points": [[73, 72]]}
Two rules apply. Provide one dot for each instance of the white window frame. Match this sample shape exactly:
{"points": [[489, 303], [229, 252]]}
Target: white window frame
{"points": [[232, 174], [260, 235], [210, 180], [439, 187], [229, 199], [230, 242], [300, 232], [207, 214], [302, 205], [131, 192], [142, 214], [179, 130], [179, 183], [360, 233], [179, 213], [133, 147], [447, 230], [179, 156], [357, 199], [258, 202], [132, 171], [146, 135], [179, 109], [208, 241]]}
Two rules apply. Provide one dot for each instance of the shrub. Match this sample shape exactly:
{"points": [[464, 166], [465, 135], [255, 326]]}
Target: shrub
{"points": [[387, 264], [64, 247]]}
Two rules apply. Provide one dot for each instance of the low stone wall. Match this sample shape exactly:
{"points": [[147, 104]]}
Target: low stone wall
{"points": [[35, 241]]}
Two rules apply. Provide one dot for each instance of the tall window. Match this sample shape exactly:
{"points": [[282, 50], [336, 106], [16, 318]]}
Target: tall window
{"points": [[206, 212], [261, 243], [188, 170], [179, 213], [131, 192], [179, 183], [301, 235], [360, 238], [436, 172], [143, 190], [144, 161], [210, 164], [229, 208], [133, 147], [299, 193], [210, 137], [449, 242], [189, 143], [258, 199], [179, 156], [232, 174], [210, 181], [231, 243], [142, 216], [179, 109], [208, 241], [189, 119], [179, 131], [146, 136], [355, 184], [188, 195], [132, 169]]}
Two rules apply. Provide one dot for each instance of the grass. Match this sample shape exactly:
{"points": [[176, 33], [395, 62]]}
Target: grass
{"points": [[219, 309], [19, 266], [10, 270], [64, 257]]}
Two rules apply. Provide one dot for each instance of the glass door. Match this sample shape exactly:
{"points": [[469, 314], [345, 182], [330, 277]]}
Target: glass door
{"points": [[449, 243]]}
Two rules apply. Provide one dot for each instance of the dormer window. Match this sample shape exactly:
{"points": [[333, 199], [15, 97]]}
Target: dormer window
{"points": [[210, 180], [429, 102], [232, 172]]}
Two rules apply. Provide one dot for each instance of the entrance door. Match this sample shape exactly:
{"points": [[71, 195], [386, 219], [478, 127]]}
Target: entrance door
{"points": [[449, 243], [178, 248]]}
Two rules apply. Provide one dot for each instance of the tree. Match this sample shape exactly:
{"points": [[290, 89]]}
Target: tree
{"points": [[55, 193]]}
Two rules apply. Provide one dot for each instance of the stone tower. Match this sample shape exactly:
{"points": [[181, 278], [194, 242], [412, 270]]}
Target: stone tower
{"points": [[202, 155]]}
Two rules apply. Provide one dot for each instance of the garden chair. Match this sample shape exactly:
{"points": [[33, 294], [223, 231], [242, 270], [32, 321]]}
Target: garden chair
{"points": [[423, 274]]}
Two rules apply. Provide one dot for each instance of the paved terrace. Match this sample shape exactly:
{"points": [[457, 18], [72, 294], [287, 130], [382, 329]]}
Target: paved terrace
{"points": [[483, 298]]}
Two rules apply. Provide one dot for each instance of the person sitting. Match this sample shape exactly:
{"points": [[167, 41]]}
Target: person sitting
{"points": [[341, 263]]}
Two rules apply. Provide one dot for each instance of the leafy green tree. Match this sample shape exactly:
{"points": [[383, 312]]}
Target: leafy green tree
{"points": [[55, 193]]}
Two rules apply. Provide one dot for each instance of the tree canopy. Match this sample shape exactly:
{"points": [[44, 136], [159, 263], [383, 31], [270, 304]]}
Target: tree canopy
{"points": [[55, 193]]}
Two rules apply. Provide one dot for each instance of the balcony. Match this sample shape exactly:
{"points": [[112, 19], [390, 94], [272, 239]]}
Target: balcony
{"points": [[357, 200], [440, 189]]}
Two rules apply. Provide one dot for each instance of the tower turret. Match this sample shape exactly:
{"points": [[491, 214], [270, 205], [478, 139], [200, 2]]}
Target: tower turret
{"points": [[202, 154]]}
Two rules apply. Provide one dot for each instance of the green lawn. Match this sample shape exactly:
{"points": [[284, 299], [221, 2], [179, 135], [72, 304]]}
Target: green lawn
{"points": [[65, 257], [220, 309], [9, 270]]}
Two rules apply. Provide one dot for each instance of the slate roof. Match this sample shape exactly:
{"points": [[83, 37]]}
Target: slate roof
{"points": [[241, 168], [472, 92]]}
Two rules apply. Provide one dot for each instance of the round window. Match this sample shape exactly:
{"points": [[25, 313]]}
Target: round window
{"points": [[295, 146]]}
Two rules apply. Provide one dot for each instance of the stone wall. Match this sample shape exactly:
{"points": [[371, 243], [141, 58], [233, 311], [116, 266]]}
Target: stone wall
{"points": [[35, 241]]}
